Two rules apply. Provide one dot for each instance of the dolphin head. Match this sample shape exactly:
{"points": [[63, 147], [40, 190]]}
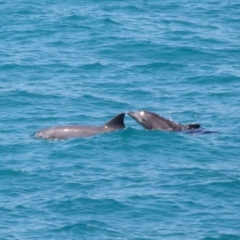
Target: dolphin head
{"points": [[144, 118]]}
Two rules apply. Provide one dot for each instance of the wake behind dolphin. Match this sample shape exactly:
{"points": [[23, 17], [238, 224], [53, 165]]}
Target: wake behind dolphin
{"points": [[74, 131]]}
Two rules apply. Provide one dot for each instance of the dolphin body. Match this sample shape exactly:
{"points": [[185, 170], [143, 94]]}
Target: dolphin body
{"points": [[74, 131], [153, 121]]}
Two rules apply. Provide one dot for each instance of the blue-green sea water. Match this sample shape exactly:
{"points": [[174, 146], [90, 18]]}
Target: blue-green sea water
{"points": [[82, 62]]}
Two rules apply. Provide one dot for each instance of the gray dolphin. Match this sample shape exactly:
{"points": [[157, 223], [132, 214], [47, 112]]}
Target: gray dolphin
{"points": [[74, 131], [152, 121]]}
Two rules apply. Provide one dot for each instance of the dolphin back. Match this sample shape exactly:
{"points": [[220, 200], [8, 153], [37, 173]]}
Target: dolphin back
{"points": [[73, 131], [117, 122]]}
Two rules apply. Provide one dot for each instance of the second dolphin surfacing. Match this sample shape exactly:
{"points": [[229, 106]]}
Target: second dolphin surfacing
{"points": [[153, 121], [74, 131]]}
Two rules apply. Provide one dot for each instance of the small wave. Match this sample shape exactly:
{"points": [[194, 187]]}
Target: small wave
{"points": [[10, 66], [11, 173], [110, 21]]}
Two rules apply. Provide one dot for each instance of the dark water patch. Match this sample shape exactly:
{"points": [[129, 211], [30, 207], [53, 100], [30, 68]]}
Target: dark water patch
{"points": [[155, 66], [93, 67], [223, 237]]}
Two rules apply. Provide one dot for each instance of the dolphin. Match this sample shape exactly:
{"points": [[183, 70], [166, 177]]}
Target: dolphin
{"points": [[153, 121], [74, 131]]}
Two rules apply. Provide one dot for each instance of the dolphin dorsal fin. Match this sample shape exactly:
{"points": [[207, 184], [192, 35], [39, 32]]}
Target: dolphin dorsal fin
{"points": [[116, 122], [193, 126]]}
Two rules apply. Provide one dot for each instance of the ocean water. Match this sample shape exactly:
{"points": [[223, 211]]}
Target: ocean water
{"points": [[68, 62]]}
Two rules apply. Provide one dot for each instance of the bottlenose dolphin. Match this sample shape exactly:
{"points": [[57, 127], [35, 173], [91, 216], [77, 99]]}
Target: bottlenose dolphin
{"points": [[74, 131], [152, 121]]}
